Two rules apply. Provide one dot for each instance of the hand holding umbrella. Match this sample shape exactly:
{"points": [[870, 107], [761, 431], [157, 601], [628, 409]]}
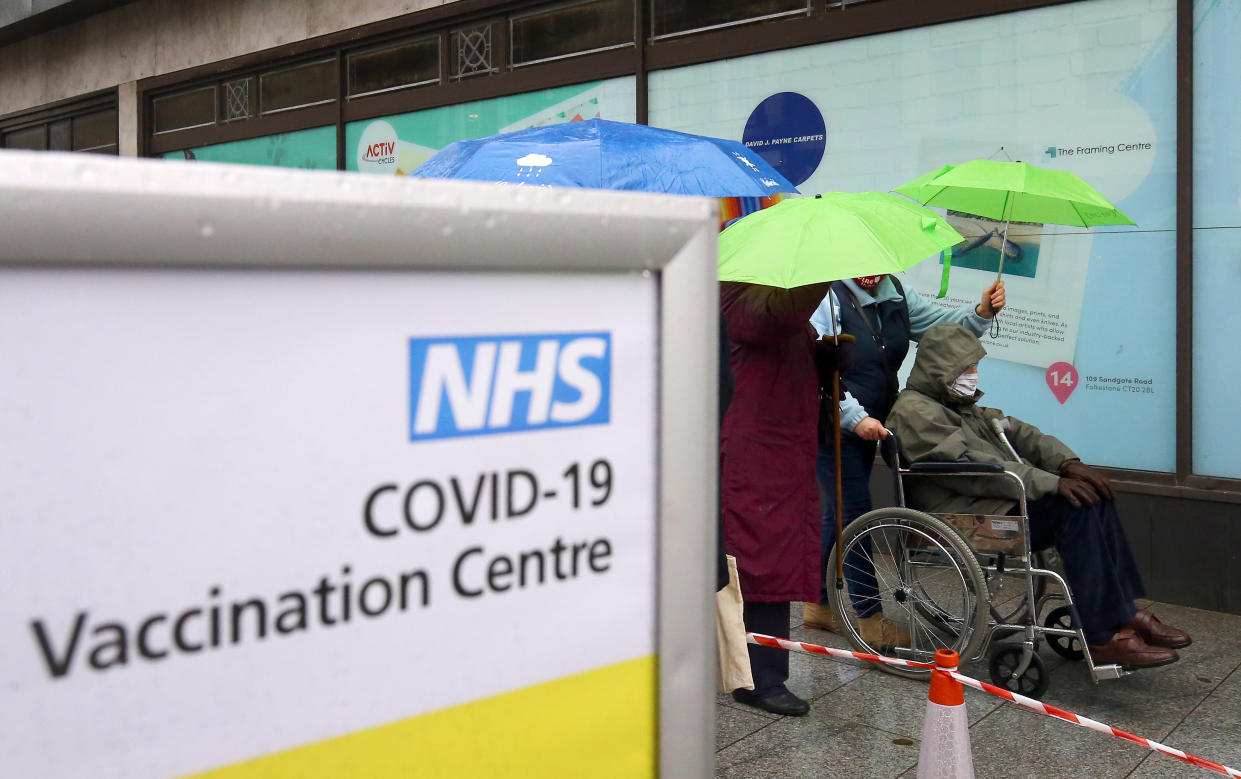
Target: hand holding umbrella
{"points": [[993, 299], [1014, 191]]}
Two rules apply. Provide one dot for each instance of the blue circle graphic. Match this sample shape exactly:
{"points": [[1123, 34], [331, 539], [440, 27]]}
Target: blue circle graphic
{"points": [[787, 130]]}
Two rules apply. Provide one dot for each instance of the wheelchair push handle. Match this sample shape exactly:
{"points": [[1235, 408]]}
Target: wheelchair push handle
{"points": [[894, 456]]}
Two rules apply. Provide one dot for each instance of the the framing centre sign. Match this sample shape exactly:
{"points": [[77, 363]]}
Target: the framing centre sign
{"points": [[282, 496]]}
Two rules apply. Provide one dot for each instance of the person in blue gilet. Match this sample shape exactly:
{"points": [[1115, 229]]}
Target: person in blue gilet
{"points": [[883, 317]]}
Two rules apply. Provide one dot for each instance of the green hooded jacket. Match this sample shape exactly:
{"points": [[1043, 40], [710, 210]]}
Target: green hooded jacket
{"points": [[933, 425]]}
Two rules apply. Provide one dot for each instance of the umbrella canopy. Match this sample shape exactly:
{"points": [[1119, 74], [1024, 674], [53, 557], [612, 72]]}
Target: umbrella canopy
{"points": [[601, 154], [837, 235], [1014, 191]]}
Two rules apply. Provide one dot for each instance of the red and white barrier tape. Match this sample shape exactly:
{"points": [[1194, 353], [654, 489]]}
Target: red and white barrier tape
{"points": [[815, 649], [1020, 700]]}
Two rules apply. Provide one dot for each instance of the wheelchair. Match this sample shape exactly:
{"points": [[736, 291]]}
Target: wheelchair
{"points": [[958, 581]]}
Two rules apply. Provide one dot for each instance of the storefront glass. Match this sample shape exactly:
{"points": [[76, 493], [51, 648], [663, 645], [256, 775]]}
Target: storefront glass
{"points": [[398, 144], [1086, 349], [1217, 237], [314, 149]]}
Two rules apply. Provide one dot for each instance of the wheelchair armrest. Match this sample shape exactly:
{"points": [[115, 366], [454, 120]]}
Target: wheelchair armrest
{"points": [[930, 467]]}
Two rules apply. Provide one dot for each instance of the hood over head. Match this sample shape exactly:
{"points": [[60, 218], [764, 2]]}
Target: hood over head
{"points": [[944, 353]]}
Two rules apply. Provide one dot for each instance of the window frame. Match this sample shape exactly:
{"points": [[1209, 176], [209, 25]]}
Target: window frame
{"points": [[633, 43]]}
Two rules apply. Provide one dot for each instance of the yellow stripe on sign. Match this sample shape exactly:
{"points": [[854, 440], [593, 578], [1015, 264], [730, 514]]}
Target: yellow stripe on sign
{"points": [[601, 723]]}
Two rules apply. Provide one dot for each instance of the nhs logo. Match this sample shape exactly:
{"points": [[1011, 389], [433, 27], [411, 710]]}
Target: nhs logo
{"points": [[480, 385]]}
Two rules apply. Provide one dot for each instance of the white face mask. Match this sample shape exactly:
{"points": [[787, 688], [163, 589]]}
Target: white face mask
{"points": [[965, 385]]}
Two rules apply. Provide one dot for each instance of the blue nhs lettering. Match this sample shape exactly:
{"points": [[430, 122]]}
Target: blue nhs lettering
{"points": [[479, 385]]}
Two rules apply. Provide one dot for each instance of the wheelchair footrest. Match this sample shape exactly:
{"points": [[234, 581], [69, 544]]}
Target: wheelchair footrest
{"points": [[1110, 671]]}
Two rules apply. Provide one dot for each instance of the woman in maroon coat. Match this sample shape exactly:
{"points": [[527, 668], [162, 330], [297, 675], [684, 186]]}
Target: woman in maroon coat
{"points": [[767, 449]]}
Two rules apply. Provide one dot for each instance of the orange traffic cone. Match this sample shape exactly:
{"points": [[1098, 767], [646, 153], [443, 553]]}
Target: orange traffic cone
{"points": [[945, 752]]}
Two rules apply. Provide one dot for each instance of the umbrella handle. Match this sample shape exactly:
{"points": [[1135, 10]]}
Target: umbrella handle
{"points": [[995, 319]]}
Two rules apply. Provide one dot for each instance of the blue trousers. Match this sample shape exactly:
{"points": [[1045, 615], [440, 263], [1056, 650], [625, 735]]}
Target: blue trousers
{"points": [[1097, 561], [857, 458]]}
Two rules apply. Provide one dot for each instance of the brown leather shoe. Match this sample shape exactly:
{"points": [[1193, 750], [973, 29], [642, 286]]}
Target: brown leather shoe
{"points": [[1155, 633], [1128, 650]]}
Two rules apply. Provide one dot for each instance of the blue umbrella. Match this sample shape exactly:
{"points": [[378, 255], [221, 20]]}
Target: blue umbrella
{"points": [[600, 154]]}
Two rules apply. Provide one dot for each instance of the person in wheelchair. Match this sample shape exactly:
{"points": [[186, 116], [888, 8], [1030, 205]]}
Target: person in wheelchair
{"points": [[937, 418]]}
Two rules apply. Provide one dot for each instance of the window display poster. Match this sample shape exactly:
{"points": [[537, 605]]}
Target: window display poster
{"points": [[1217, 238], [1086, 347], [313, 149], [398, 144]]}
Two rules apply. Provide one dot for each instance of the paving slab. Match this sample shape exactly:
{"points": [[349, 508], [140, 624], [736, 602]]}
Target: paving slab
{"points": [[1014, 742], [893, 704], [865, 722], [1211, 731], [818, 745], [732, 724]]}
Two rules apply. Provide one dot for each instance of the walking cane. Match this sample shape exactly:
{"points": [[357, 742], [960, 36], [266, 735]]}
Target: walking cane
{"points": [[837, 339]]}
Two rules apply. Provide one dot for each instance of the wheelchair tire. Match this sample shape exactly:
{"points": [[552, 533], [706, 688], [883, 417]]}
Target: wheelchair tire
{"points": [[1068, 648], [1005, 659], [957, 620]]}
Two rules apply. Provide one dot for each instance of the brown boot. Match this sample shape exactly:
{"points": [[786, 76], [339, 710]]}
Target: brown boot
{"points": [[879, 631], [1155, 633], [1128, 650], [820, 616]]}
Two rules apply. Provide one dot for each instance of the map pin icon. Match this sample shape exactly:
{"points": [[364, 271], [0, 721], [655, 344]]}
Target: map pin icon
{"points": [[1062, 379]]}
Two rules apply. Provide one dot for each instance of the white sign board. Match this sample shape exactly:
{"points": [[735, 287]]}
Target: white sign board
{"points": [[357, 514]]}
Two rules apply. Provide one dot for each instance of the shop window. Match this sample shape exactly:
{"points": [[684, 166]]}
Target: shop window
{"points": [[298, 87], [570, 30], [408, 64], [832, 117], [678, 17], [60, 135], [95, 132], [471, 47], [1217, 236], [194, 108], [32, 138]]}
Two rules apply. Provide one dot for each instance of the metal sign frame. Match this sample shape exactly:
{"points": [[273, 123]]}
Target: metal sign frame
{"points": [[78, 210]]}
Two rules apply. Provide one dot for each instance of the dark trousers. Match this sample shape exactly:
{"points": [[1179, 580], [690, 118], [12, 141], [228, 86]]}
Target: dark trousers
{"points": [[768, 665], [857, 458], [1097, 561]]}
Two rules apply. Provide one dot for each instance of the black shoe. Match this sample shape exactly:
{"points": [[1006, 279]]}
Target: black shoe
{"points": [[779, 702]]}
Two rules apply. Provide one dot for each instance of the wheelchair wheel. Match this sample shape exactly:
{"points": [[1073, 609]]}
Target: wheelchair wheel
{"points": [[1068, 648], [1005, 660], [919, 573]]}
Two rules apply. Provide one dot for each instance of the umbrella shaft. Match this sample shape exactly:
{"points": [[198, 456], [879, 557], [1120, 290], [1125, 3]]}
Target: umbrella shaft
{"points": [[839, 479], [1003, 246]]}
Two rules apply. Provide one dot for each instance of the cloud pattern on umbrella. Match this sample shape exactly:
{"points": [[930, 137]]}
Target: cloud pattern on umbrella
{"points": [[602, 154]]}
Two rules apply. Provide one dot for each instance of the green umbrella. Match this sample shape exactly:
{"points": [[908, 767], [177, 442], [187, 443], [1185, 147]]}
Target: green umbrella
{"points": [[1014, 192], [837, 235]]}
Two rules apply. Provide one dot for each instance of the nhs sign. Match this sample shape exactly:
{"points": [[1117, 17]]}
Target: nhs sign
{"points": [[480, 385]]}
